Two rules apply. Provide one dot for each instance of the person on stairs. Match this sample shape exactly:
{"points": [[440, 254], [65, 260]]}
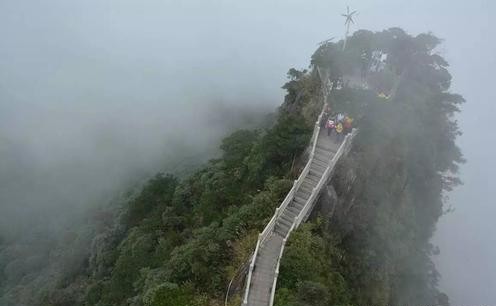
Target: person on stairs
{"points": [[330, 125], [339, 132], [347, 124], [323, 120]]}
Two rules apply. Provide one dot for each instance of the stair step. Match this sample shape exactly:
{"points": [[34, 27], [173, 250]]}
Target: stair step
{"points": [[280, 231], [288, 213], [317, 170], [309, 185], [297, 205], [323, 152], [307, 179], [301, 200], [318, 167], [285, 223], [322, 158], [302, 194], [315, 173], [313, 178], [321, 146], [307, 188], [294, 211], [304, 190], [319, 163], [287, 217]]}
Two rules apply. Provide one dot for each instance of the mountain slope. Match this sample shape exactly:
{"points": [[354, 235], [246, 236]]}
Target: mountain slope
{"points": [[374, 249], [179, 242]]}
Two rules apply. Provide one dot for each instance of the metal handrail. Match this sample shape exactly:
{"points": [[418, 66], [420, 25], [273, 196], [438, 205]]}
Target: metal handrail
{"points": [[303, 213], [289, 197], [298, 219], [296, 184], [250, 272], [276, 275], [325, 176], [306, 169]]}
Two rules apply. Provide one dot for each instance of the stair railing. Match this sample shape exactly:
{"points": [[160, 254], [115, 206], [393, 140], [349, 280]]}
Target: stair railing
{"points": [[306, 169], [276, 275], [269, 228], [343, 148], [250, 271], [289, 197]]}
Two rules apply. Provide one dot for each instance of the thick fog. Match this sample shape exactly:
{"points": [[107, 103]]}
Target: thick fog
{"points": [[95, 94]]}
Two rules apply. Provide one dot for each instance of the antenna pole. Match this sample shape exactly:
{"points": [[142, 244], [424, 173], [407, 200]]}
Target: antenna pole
{"points": [[349, 19], [346, 34]]}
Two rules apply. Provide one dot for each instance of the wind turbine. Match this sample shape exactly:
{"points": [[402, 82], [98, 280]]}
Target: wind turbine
{"points": [[348, 21]]}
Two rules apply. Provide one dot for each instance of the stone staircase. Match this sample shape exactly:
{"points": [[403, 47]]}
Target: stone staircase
{"points": [[264, 264], [324, 151], [262, 278]]}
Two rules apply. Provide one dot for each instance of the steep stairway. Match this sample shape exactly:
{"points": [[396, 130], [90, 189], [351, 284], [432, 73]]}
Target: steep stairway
{"points": [[324, 152], [264, 268]]}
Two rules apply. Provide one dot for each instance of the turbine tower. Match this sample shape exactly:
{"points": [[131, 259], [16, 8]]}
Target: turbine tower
{"points": [[348, 21]]}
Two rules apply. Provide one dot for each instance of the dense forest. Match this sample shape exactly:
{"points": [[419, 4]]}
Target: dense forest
{"points": [[179, 241]]}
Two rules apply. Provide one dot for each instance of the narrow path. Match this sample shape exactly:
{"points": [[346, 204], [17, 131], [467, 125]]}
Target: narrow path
{"points": [[266, 261]]}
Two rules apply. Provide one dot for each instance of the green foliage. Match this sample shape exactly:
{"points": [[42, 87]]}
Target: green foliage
{"points": [[180, 242], [391, 186], [308, 270], [156, 194], [176, 241], [276, 151], [169, 294]]}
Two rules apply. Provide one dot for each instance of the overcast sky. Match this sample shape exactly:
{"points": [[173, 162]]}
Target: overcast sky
{"points": [[92, 91]]}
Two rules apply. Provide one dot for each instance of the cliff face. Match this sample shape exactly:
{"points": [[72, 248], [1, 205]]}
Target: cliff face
{"points": [[374, 248]]}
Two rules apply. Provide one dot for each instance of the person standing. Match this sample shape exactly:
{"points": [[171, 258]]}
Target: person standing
{"points": [[323, 121], [330, 125], [339, 131], [325, 116], [347, 124]]}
